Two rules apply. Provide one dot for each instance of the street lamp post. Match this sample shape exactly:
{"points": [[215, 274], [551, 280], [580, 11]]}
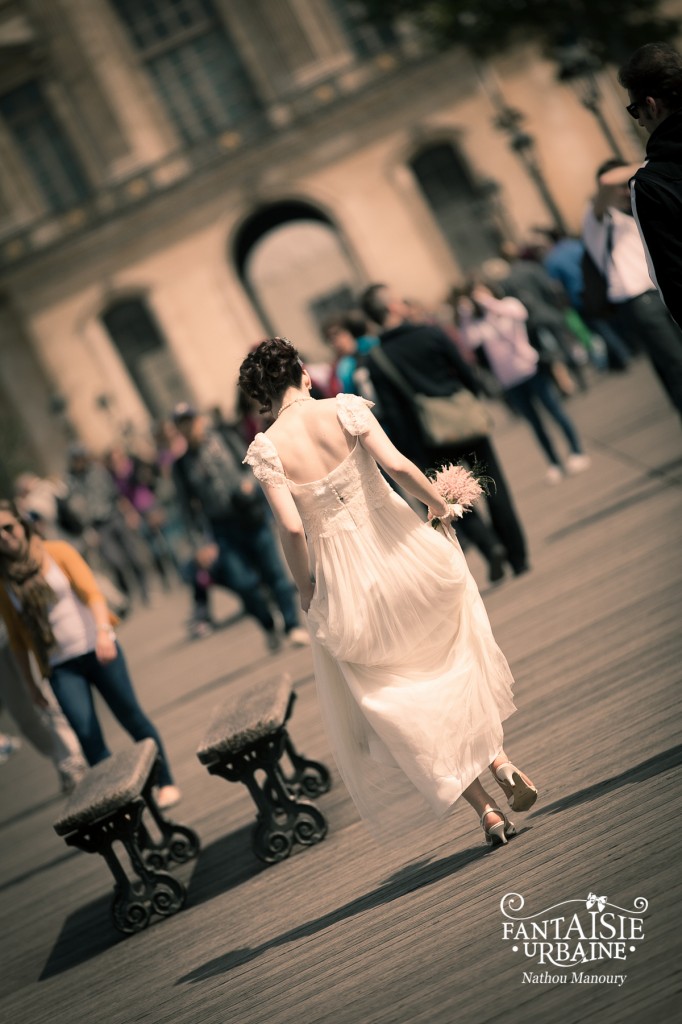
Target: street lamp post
{"points": [[510, 121], [522, 143], [578, 67]]}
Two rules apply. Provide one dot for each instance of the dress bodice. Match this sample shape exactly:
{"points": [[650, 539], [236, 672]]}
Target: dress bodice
{"points": [[345, 497]]}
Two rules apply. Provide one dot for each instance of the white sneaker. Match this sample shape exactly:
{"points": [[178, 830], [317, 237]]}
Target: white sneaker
{"points": [[167, 796], [298, 637], [553, 476], [577, 463]]}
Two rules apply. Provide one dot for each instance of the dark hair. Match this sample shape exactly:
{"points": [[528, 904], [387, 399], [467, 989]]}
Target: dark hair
{"points": [[28, 526], [353, 320], [654, 70], [36, 596], [7, 505], [609, 165], [373, 305], [269, 370]]}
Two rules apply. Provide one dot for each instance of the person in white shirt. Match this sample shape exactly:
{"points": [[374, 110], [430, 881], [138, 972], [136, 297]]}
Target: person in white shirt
{"points": [[498, 328], [613, 242]]}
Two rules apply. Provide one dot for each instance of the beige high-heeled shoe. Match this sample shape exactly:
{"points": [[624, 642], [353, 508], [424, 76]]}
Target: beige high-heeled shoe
{"points": [[501, 831], [520, 792]]}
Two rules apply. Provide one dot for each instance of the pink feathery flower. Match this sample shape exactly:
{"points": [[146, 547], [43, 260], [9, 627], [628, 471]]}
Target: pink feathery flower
{"points": [[457, 485]]}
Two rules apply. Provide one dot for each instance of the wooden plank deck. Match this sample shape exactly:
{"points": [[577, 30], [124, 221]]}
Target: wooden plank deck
{"points": [[345, 932]]}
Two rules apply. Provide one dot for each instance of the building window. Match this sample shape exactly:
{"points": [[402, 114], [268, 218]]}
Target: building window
{"points": [[148, 359], [464, 214], [196, 69], [367, 37], [45, 148]]}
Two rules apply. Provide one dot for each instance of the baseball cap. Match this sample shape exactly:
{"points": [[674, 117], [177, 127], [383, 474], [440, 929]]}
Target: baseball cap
{"points": [[183, 411]]}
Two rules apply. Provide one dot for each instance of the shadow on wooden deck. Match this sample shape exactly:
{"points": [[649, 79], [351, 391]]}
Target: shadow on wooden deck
{"points": [[648, 769], [408, 879], [223, 865]]}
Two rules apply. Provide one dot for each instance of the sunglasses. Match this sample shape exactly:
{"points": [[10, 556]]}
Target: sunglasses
{"points": [[633, 110]]}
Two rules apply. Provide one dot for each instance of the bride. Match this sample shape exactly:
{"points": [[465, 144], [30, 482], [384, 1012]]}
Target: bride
{"points": [[412, 686]]}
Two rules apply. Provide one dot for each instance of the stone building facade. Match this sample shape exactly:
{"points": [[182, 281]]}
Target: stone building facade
{"points": [[180, 177]]}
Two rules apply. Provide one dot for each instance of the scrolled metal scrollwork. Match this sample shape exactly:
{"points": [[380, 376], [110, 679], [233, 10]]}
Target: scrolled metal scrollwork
{"points": [[270, 843], [310, 826], [184, 844], [309, 778], [168, 895], [129, 913]]}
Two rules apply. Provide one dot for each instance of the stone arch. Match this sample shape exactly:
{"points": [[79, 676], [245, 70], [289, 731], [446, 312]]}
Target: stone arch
{"points": [[296, 266]]}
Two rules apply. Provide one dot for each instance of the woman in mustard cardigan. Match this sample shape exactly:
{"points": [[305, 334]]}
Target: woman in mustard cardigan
{"points": [[53, 609]]}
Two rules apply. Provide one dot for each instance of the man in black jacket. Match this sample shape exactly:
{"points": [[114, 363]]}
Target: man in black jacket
{"points": [[653, 78], [429, 362]]}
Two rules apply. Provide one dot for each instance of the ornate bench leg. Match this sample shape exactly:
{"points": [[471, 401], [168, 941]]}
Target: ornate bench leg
{"points": [[309, 778], [150, 892], [177, 843], [282, 820]]}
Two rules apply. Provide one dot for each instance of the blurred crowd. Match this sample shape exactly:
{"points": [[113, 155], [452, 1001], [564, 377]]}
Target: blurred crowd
{"points": [[528, 328], [136, 514]]}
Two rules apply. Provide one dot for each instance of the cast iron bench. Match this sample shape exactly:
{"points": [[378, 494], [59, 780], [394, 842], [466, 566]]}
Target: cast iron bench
{"points": [[245, 742], [106, 807]]}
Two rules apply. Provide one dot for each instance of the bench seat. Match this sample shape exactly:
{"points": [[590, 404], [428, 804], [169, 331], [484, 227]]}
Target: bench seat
{"points": [[244, 720], [107, 786], [246, 741]]}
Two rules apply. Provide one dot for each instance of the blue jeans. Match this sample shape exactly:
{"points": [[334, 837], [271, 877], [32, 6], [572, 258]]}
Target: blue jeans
{"points": [[540, 389], [619, 354], [249, 559], [72, 682]]}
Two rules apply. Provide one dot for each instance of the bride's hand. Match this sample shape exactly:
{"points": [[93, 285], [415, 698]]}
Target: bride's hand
{"points": [[307, 595], [437, 513], [453, 511]]}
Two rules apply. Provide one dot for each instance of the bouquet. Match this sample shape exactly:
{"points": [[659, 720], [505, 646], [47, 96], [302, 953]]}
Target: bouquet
{"points": [[459, 487]]}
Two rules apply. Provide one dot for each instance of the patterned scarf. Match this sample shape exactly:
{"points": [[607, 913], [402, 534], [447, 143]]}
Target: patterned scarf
{"points": [[35, 595]]}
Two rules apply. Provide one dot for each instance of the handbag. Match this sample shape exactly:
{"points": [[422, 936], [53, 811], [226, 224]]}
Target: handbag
{"points": [[444, 419]]}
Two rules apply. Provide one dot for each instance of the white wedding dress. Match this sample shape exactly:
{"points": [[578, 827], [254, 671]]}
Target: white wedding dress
{"points": [[412, 686]]}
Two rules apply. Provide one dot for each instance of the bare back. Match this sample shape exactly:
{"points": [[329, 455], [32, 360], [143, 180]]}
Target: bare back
{"points": [[310, 440]]}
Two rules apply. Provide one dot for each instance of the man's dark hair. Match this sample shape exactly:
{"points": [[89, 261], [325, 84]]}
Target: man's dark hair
{"points": [[609, 165], [352, 320], [374, 305], [654, 70]]}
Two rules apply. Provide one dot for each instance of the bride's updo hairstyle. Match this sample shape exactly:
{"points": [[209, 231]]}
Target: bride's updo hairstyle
{"points": [[269, 370]]}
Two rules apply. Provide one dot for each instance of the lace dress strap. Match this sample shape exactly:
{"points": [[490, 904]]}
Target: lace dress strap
{"points": [[266, 464], [353, 413]]}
